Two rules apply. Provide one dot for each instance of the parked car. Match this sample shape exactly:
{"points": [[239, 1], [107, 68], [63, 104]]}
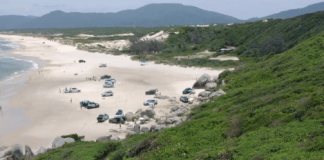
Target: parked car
{"points": [[113, 80], [88, 104], [108, 85], [186, 99], [188, 91], [151, 91], [106, 76], [143, 63], [107, 93], [72, 90], [150, 101], [102, 65], [82, 61], [119, 113], [102, 117], [117, 120]]}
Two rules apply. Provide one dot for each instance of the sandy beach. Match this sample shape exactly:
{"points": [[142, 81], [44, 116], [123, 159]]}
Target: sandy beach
{"points": [[49, 113]]}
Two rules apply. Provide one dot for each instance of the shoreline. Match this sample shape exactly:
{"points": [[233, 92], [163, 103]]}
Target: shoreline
{"points": [[52, 112]]}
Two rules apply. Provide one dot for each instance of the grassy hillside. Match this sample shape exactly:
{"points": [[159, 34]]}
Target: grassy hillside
{"points": [[273, 110], [257, 38]]}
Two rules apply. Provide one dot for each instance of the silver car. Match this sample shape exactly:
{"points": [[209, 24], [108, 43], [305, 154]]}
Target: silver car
{"points": [[150, 101], [72, 90], [107, 93], [108, 85], [113, 80], [102, 65]]}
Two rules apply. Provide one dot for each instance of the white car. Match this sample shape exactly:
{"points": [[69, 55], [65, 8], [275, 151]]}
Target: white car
{"points": [[107, 93], [102, 65], [113, 80], [108, 85], [72, 90], [150, 101]]}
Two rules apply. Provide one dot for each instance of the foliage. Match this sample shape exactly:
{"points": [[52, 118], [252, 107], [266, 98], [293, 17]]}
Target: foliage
{"points": [[273, 110], [80, 151], [76, 137], [146, 46]]}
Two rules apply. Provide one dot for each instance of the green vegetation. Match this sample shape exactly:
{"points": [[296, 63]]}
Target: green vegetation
{"points": [[273, 110], [80, 150]]}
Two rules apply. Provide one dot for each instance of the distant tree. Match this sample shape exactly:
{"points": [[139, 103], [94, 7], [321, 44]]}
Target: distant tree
{"points": [[145, 46], [274, 44]]}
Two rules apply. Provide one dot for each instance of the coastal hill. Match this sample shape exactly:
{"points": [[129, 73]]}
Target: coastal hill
{"points": [[293, 12], [151, 15]]}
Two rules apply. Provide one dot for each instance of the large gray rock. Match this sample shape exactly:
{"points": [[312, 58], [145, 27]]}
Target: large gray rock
{"points": [[145, 129], [59, 141], [146, 118], [149, 112], [204, 94], [104, 138], [210, 86], [139, 113], [113, 138], [12, 153], [217, 94], [130, 133], [28, 153], [201, 82], [137, 128], [129, 116], [152, 128], [159, 128], [174, 108], [41, 150]]}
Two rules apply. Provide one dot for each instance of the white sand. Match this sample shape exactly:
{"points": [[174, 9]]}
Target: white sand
{"points": [[52, 113], [225, 58]]}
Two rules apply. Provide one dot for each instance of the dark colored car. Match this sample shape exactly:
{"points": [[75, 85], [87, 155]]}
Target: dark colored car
{"points": [[184, 99], [82, 61], [88, 104], [150, 92], [106, 76], [102, 117], [119, 114], [117, 120], [188, 90]]}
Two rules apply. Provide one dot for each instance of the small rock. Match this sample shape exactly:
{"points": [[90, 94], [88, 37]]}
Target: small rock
{"points": [[41, 150], [129, 116], [104, 138], [59, 141], [146, 118], [174, 108], [145, 129], [130, 133], [114, 138], [149, 112], [169, 121], [217, 94], [210, 86], [204, 94], [152, 128], [139, 113], [137, 128], [159, 128], [28, 153]]}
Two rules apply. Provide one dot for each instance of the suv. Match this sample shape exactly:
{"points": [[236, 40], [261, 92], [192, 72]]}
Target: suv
{"points": [[117, 120], [150, 101], [72, 90], [184, 99], [102, 117], [119, 114], [106, 76], [113, 80], [107, 93], [150, 92], [82, 61], [102, 65], [88, 104], [188, 91], [108, 85]]}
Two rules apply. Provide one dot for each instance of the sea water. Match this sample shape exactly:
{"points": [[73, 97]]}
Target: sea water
{"points": [[10, 66]]}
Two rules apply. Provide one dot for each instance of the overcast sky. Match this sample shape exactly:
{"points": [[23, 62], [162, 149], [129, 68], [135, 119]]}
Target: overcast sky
{"points": [[242, 9]]}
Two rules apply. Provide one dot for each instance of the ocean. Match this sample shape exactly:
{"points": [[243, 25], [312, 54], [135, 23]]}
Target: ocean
{"points": [[10, 66]]}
